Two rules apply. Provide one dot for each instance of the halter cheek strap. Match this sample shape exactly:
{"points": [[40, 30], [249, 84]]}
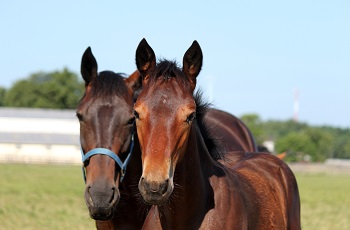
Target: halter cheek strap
{"points": [[111, 154]]}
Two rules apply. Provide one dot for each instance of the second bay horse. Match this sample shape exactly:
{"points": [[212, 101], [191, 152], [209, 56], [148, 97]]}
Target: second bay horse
{"points": [[190, 188]]}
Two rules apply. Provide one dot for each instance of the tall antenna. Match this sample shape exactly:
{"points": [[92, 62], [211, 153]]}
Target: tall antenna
{"points": [[296, 105]]}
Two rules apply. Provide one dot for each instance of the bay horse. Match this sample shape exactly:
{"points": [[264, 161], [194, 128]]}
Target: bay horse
{"points": [[106, 131], [190, 188], [109, 145]]}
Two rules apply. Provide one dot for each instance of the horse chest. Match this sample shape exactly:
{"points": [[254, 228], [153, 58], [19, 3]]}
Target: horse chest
{"points": [[224, 219], [228, 209]]}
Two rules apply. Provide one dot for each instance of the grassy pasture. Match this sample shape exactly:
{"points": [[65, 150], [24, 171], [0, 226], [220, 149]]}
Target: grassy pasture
{"points": [[42, 197], [325, 201], [51, 197]]}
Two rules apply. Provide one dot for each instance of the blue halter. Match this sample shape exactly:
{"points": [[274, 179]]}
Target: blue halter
{"points": [[104, 151]]}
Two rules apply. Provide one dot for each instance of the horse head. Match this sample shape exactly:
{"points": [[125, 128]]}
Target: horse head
{"points": [[164, 111], [106, 132]]}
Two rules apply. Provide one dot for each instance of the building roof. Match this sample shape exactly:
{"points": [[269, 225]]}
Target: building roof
{"points": [[37, 113], [39, 138], [38, 126]]}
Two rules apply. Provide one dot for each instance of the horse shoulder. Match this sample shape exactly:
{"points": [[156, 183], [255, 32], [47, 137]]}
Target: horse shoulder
{"points": [[269, 190], [228, 209]]}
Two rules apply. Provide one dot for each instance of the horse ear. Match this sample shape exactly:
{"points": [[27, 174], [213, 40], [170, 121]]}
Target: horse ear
{"points": [[134, 84], [145, 59], [88, 66], [192, 63]]}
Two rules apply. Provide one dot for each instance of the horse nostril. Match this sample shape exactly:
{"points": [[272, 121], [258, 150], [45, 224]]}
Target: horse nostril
{"points": [[143, 183], [113, 195], [88, 197], [164, 186]]}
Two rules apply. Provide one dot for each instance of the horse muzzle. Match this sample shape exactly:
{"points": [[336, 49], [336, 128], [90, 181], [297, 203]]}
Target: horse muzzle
{"points": [[155, 193], [101, 202]]}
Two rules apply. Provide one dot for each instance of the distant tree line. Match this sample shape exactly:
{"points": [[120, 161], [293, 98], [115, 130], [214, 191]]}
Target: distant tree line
{"points": [[301, 141], [58, 89], [63, 90]]}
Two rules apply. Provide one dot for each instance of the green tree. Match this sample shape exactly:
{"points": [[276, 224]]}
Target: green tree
{"points": [[301, 140], [275, 129], [341, 141], [59, 89], [311, 143], [346, 152], [2, 96], [254, 124], [297, 145], [323, 141]]}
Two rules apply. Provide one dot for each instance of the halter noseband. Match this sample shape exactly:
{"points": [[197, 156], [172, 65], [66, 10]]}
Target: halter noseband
{"points": [[111, 154]]}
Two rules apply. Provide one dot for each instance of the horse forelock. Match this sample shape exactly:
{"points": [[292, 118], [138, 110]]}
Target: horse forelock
{"points": [[166, 70], [108, 83]]}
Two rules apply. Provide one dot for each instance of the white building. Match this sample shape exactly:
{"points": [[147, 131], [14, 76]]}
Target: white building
{"points": [[39, 136], [270, 145]]}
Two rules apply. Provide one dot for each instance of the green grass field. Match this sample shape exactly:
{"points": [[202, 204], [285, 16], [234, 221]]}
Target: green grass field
{"points": [[42, 197], [51, 197], [325, 201]]}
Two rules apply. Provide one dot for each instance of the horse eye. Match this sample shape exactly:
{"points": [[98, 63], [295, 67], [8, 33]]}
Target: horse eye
{"points": [[80, 117], [191, 117], [136, 114], [131, 121]]}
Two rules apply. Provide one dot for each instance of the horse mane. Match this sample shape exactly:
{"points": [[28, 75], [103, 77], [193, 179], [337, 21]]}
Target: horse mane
{"points": [[109, 83], [210, 141]]}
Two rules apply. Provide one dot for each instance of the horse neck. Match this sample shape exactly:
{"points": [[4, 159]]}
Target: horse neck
{"points": [[196, 160], [192, 187]]}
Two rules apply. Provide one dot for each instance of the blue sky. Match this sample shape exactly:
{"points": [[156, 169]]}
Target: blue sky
{"points": [[256, 53]]}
